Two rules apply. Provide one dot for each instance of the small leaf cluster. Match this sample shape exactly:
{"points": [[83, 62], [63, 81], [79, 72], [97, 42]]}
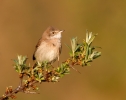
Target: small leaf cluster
{"points": [[83, 53], [40, 71], [20, 64]]}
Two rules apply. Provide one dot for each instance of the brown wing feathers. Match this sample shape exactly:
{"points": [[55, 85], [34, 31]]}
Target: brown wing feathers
{"points": [[38, 44]]}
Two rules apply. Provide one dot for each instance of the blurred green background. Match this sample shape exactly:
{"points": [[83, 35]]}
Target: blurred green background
{"points": [[23, 21]]}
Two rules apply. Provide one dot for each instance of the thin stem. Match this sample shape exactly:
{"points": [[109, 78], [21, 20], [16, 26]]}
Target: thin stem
{"points": [[18, 89]]}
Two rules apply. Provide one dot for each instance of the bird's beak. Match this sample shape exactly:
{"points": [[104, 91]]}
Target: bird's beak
{"points": [[62, 31]]}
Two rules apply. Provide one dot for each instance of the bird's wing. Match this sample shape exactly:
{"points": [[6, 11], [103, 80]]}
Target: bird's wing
{"points": [[38, 44], [60, 49]]}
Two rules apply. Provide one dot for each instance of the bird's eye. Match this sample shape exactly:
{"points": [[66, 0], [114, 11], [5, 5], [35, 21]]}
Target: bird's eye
{"points": [[53, 32]]}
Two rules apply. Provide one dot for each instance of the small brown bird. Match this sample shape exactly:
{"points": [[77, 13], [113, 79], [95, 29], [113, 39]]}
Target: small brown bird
{"points": [[49, 46]]}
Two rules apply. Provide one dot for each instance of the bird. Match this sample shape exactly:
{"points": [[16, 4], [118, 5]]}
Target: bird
{"points": [[49, 46]]}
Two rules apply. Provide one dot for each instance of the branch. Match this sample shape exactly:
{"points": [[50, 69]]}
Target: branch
{"points": [[80, 54]]}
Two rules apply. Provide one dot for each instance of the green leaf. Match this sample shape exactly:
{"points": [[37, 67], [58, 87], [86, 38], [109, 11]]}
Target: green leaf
{"points": [[92, 37], [97, 54], [87, 37], [77, 47], [73, 44]]}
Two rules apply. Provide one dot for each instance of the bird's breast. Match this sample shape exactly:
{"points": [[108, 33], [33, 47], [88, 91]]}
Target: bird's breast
{"points": [[48, 51]]}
